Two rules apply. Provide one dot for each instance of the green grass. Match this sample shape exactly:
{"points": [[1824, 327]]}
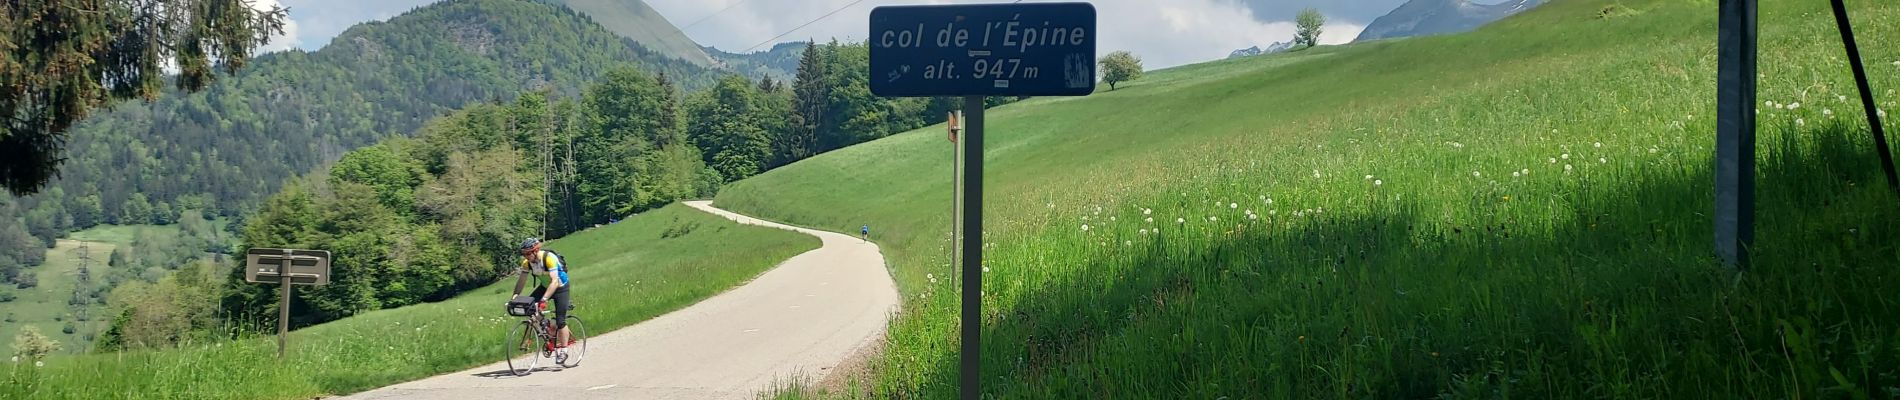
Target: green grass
{"points": [[1522, 211], [119, 234], [47, 306], [623, 273]]}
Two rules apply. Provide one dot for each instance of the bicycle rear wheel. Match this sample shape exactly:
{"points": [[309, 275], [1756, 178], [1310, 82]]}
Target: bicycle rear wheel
{"points": [[577, 333], [521, 342]]}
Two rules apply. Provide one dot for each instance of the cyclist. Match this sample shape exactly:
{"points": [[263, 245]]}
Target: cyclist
{"points": [[864, 233], [535, 261]]}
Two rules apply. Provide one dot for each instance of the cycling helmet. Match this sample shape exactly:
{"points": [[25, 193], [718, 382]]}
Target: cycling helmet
{"points": [[530, 244]]}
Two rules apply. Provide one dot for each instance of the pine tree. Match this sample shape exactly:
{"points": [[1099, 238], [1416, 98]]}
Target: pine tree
{"points": [[811, 94]]}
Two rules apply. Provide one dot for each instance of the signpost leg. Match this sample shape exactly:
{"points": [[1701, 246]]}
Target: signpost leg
{"points": [[283, 308], [971, 355], [1735, 132]]}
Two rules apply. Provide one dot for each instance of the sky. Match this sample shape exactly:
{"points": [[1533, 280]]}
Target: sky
{"points": [[1163, 33]]}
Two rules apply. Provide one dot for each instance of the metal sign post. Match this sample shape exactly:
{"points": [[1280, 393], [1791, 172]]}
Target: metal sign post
{"points": [[286, 267], [973, 51], [1735, 132]]}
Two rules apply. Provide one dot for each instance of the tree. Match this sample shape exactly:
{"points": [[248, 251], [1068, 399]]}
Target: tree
{"points": [[1120, 66], [31, 345], [811, 93], [1309, 24], [62, 58]]}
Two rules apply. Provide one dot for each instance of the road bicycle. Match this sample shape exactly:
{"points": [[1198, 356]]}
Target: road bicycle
{"points": [[534, 338]]}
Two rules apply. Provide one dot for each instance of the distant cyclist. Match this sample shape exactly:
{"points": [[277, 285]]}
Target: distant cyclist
{"points": [[864, 233], [535, 261]]}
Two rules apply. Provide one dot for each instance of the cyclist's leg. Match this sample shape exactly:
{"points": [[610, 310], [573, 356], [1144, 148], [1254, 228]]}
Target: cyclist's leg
{"points": [[561, 304]]}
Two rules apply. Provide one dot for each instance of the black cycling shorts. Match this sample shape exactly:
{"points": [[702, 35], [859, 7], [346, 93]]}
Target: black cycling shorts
{"points": [[561, 303]]}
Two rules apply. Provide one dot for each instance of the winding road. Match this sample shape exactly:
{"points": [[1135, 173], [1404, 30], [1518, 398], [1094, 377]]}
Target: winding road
{"points": [[801, 318]]}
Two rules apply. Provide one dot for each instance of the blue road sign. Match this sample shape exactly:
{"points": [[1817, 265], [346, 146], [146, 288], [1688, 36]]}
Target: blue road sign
{"points": [[1037, 49]]}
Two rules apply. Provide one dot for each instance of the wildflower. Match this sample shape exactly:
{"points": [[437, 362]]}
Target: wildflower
{"points": [[1601, 160], [1507, 198], [932, 277], [1515, 174], [1882, 113], [1147, 211], [1231, 206], [1111, 218], [1566, 156], [1770, 103], [1377, 182], [1085, 227], [1599, 145], [1527, 171], [1652, 150], [1566, 168], [1843, 97], [1149, 220], [1475, 174], [1144, 231], [1368, 177], [1180, 220], [1316, 174], [986, 268], [1794, 106], [1896, 64], [1263, 198], [1128, 243], [1553, 160], [1269, 202], [1800, 122], [1827, 112], [1253, 217], [418, 329]]}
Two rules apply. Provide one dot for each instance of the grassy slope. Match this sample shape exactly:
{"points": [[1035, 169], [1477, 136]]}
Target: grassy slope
{"points": [[45, 306], [623, 273], [58, 276], [634, 19], [1534, 224]]}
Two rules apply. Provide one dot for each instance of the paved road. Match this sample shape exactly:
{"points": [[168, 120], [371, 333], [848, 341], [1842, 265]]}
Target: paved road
{"points": [[802, 317]]}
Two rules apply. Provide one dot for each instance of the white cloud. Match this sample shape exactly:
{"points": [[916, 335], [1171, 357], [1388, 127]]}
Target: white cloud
{"points": [[278, 43]]}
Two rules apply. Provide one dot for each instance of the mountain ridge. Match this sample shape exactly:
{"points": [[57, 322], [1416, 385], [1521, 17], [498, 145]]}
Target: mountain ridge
{"points": [[1432, 17]]}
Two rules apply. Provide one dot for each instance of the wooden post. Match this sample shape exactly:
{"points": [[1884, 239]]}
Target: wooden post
{"points": [[283, 307]]}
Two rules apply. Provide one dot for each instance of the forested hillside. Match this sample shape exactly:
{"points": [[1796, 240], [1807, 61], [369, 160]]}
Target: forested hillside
{"points": [[226, 147]]}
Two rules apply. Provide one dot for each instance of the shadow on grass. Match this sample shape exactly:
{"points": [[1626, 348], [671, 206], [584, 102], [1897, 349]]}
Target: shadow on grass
{"points": [[1618, 297]]}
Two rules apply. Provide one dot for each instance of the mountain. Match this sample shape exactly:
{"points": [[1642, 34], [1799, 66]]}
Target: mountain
{"points": [[226, 147], [635, 20], [1432, 17], [1276, 47], [780, 62]]}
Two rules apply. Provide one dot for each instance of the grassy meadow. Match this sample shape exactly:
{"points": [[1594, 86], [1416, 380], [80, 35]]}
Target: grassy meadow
{"points": [[47, 306], [624, 273], [1521, 211]]}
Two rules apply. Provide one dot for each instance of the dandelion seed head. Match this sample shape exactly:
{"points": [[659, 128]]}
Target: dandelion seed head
{"points": [[1565, 156], [1085, 227], [1566, 167], [1526, 171], [1475, 174], [1515, 174], [1378, 182], [1231, 206], [1368, 176], [1213, 218], [1800, 122], [1599, 145], [37, 364], [1149, 220], [1794, 105], [1147, 211], [1553, 160], [1601, 160], [1180, 220]]}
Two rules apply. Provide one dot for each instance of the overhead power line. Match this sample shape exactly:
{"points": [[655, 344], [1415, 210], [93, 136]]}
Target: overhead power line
{"points": [[802, 26], [716, 13]]}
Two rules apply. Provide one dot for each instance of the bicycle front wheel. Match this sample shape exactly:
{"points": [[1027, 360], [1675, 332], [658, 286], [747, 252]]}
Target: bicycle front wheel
{"points": [[577, 349], [522, 343]]}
